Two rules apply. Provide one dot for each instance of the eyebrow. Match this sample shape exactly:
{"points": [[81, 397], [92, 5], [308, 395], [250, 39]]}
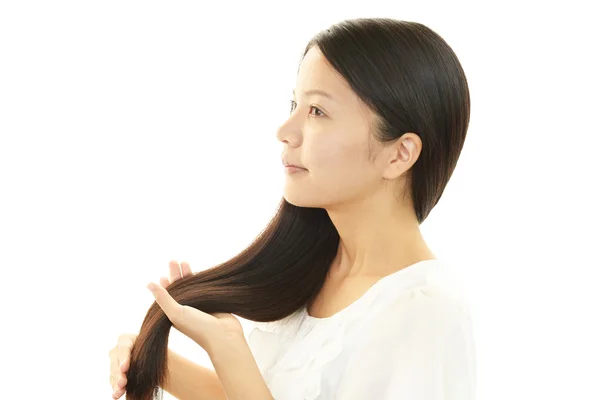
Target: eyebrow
{"points": [[315, 91]]}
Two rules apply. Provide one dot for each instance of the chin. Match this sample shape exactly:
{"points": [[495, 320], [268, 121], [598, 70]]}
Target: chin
{"points": [[302, 200], [299, 201]]}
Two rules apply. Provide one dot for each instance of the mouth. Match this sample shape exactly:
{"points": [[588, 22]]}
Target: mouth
{"points": [[286, 164], [293, 168]]}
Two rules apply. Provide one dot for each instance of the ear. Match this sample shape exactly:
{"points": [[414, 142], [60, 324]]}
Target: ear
{"points": [[404, 152]]}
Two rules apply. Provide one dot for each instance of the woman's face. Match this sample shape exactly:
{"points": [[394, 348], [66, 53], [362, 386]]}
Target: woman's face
{"points": [[329, 136]]}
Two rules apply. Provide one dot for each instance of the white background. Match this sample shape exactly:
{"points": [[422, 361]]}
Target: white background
{"points": [[133, 133]]}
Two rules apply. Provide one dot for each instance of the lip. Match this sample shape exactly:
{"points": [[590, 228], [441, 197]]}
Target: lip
{"points": [[290, 169], [292, 165]]}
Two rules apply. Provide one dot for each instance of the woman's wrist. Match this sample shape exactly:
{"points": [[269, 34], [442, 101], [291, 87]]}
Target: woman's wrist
{"points": [[238, 372]]}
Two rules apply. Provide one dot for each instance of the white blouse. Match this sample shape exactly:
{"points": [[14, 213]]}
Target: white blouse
{"points": [[408, 337]]}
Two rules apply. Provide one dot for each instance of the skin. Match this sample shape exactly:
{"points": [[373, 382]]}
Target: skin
{"points": [[331, 138]]}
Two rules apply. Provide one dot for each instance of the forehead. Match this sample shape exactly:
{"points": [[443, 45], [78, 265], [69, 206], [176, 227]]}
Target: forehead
{"points": [[316, 73]]}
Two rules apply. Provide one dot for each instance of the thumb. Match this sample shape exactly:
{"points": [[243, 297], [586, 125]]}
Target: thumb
{"points": [[172, 309]]}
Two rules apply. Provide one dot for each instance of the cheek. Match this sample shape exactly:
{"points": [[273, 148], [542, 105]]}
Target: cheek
{"points": [[339, 168], [328, 156]]}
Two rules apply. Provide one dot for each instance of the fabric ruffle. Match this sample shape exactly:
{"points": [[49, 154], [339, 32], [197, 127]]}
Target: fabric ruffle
{"points": [[297, 371], [292, 353]]}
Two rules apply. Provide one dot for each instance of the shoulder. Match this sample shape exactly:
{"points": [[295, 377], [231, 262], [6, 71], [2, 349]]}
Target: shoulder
{"points": [[439, 294], [434, 310], [423, 339], [430, 288], [433, 299]]}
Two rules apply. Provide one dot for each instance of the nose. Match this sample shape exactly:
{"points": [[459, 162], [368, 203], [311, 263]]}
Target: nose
{"points": [[289, 133]]}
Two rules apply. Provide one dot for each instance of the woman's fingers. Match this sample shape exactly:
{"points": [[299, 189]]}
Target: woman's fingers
{"points": [[119, 363], [114, 367], [117, 378], [124, 366], [177, 271], [124, 354], [164, 282], [172, 309], [124, 348], [118, 393], [185, 269], [174, 271]]}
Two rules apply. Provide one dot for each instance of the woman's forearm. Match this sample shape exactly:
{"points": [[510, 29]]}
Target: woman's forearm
{"points": [[189, 381], [238, 372]]}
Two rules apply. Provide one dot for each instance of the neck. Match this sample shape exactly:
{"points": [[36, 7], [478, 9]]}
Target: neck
{"points": [[376, 240]]}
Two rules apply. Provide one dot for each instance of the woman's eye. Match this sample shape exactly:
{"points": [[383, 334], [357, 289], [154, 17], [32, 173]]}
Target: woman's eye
{"points": [[293, 107], [319, 111]]}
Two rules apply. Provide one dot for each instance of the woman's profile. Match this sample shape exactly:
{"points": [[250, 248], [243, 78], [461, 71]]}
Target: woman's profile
{"points": [[348, 300]]}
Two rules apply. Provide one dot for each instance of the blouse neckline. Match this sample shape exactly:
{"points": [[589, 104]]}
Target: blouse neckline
{"points": [[373, 290]]}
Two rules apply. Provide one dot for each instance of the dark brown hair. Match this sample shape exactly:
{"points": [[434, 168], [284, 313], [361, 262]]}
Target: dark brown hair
{"points": [[411, 78]]}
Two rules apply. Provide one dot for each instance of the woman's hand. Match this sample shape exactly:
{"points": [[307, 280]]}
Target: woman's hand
{"points": [[119, 363], [120, 354], [208, 330]]}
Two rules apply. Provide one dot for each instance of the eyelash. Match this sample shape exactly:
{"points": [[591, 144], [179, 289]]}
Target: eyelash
{"points": [[292, 103]]}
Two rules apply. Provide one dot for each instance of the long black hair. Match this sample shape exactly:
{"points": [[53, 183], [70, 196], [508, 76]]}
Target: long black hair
{"points": [[411, 78]]}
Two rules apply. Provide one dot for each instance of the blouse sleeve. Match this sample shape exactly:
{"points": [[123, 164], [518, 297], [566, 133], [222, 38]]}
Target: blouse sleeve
{"points": [[420, 348]]}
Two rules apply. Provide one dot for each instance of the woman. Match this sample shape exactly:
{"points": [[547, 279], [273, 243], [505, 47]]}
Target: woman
{"points": [[348, 300]]}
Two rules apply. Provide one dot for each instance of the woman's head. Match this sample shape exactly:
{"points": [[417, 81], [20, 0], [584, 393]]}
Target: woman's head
{"points": [[397, 120], [390, 124]]}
